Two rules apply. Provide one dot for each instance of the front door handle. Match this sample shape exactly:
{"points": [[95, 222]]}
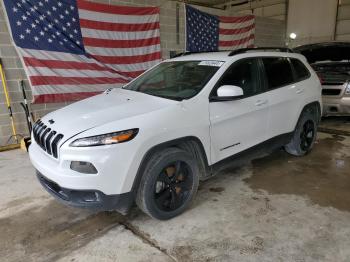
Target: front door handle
{"points": [[299, 91], [260, 102]]}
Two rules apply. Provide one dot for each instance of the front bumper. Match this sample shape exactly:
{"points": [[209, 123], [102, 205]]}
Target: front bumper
{"points": [[91, 199], [115, 164]]}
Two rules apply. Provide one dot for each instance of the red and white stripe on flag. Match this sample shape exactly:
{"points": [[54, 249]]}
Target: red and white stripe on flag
{"points": [[236, 32], [120, 42]]}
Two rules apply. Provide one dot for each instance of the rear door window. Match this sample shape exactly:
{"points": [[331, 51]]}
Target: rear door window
{"points": [[300, 69], [278, 72]]}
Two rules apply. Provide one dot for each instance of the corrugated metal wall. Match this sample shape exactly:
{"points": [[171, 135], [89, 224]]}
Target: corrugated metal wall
{"points": [[313, 21], [343, 21], [275, 9]]}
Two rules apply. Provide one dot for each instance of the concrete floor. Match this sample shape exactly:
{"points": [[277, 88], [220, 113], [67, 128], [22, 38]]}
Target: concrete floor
{"points": [[278, 208], [336, 125]]}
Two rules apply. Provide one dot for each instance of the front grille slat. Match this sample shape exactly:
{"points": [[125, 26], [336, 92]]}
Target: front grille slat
{"points": [[47, 138], [36, 126], [42, 140], [54, 145], [37, 132], [41, 135], [48, 142]]}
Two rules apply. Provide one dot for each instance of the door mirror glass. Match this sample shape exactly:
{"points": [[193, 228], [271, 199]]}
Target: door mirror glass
{"points": [[228, 93]]}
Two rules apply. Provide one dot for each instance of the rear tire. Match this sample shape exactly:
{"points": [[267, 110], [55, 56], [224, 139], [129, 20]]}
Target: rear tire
{"points": [[304, 135], [169, 183]]}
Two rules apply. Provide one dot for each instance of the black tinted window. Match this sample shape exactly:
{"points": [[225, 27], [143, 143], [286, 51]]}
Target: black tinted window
{"points": [[242, 74], [300, 70], [278, 72]]}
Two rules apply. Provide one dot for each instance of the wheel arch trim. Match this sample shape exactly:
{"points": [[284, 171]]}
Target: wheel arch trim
{"points": [[178, 142], [312, 104]]}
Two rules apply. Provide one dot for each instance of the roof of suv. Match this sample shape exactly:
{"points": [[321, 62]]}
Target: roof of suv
{"points": [[222, 56], [229, 55]]}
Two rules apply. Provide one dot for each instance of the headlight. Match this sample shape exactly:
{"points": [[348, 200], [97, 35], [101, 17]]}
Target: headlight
{"points": [[106, 139], [347, 90]]}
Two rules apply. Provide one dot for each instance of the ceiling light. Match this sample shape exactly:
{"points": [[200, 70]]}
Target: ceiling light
{"points": [[293, 36]]}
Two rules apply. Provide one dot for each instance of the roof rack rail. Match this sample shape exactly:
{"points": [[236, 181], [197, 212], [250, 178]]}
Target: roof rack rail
{"points": [[199, 52], [244, 50], [180, 54]]}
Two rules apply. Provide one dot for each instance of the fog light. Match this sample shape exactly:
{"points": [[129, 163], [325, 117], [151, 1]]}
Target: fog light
{"points": [[91, 197], [83, 167]]}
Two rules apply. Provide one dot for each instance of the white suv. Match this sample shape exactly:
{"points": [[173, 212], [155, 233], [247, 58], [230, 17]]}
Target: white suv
{"points": [[151, 141]]}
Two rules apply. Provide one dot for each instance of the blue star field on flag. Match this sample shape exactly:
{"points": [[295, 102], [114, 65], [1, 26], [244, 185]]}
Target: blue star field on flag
{"points": [[202, 31], [46, 25]]}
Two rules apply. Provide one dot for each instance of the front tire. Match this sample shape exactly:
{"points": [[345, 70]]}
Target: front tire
{"points": [[304, 135], [169, 183]]}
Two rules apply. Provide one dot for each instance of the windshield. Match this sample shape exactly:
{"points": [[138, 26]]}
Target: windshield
{"points": [[175, 80]]}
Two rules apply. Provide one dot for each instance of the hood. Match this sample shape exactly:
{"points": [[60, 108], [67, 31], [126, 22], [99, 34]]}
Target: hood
{"points": [[111, 106], [329, 51]]}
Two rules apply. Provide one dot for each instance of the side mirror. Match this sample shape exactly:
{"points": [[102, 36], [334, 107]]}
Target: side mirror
{"points": [[228, 93]]}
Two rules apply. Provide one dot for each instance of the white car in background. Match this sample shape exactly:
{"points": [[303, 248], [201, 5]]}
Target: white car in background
{"points": [[151, 141]]}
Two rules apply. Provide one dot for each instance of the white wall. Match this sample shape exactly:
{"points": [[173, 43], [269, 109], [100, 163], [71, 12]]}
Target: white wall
{"points": [[312, 20]]}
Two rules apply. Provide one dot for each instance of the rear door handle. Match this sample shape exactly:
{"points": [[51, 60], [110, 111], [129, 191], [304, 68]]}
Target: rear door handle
{"points": [[260, 102], [299, 91]]}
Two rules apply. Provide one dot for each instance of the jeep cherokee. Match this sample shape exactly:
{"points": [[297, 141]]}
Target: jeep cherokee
{"points": [[153, 140]]}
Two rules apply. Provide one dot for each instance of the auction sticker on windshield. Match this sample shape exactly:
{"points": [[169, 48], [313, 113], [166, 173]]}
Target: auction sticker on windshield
{"points": [[211, 63]]}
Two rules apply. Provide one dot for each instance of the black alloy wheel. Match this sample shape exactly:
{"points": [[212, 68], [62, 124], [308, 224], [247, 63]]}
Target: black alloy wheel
{"points": [[304, 135], [169, 183], [173, 186], [307, 135]]}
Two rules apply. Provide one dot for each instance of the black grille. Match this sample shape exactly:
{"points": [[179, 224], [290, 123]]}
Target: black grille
{"points": [[46, 138], [331, 92]]}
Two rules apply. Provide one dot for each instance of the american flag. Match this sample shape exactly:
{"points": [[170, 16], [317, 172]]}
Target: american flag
{"points": [[73, 49], [206, 32]]}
